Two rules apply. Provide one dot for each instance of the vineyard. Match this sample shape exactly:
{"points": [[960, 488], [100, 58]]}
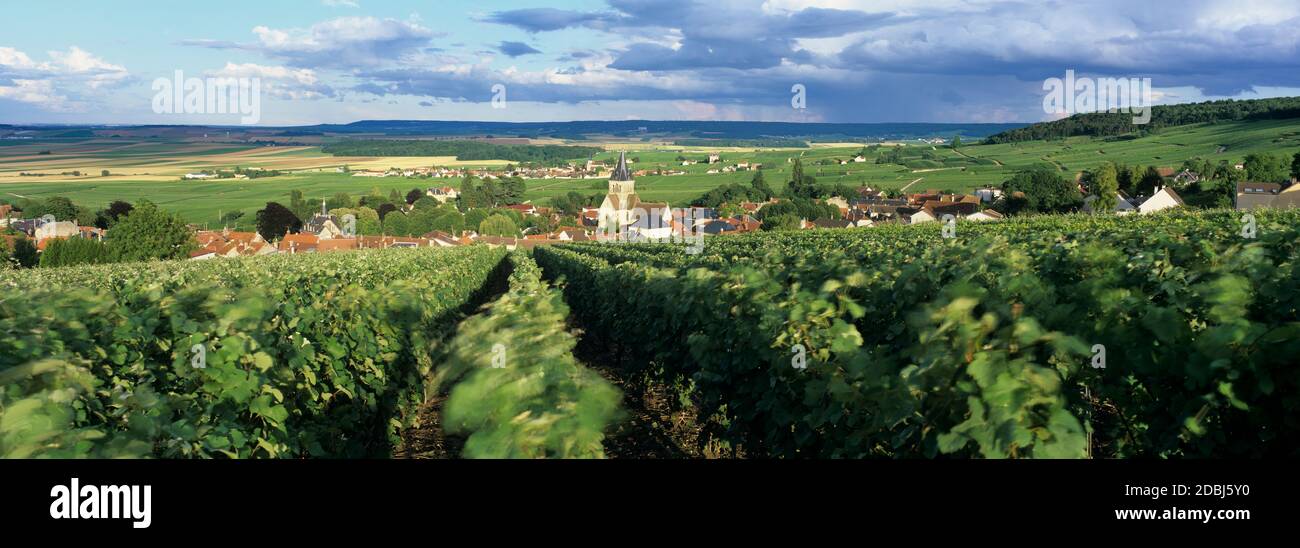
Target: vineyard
{"points": [[1153, 336], [1168, 335]]}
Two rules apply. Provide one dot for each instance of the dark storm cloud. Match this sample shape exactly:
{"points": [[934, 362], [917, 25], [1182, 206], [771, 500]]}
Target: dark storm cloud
{"points": [[515, 49]]}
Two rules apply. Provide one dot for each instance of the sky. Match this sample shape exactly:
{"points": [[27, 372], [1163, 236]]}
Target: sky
{"points": [[339, 61]]}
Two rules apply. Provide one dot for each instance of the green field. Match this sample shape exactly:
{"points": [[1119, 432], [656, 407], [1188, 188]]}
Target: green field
{"points": [[970, 166]]}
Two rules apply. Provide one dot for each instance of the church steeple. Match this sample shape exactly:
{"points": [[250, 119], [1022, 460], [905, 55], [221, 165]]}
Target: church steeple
{"points": [[621, 172]]}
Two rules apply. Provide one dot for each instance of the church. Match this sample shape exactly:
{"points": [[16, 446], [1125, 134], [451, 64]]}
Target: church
{"points": [[623, 212]]}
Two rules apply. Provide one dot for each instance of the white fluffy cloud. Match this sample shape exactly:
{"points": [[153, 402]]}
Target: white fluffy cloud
{"points": [[65, 82], [341, 43], [279, 82]]}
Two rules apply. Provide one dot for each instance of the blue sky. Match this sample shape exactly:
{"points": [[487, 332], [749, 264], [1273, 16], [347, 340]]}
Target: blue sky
{"points": [[339, 61]]}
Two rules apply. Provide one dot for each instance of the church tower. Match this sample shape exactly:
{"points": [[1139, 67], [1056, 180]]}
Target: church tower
{"points": [[616, 211], [621, 181]]}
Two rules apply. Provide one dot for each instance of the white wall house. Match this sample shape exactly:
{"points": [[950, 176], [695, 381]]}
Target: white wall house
{"points": [[1163, 199]]}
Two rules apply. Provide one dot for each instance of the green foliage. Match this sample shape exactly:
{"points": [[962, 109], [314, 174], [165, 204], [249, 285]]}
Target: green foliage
{"points": [[74, 251], [1267, 168], [397, 223], [475, 217], [1112, 124], [519, 393], [1040, 190], [919, 345], [304, 355], [1104, 184], [148, 233], [498, 225]]}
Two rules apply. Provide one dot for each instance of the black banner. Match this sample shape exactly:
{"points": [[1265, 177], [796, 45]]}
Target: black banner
{"points": [[162, 497]]}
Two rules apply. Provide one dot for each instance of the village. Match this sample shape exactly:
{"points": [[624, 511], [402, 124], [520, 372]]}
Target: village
{"points": [[623, 216]]}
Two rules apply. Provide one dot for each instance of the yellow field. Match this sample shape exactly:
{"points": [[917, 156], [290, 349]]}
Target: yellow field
{"points": [[150, 162]]}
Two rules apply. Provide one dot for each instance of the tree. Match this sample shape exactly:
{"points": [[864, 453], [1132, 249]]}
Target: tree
{"points": [[149, 233], [384, 209], [230, 217], [781, 222], [1040, 190], [104, 173], [1105, 185], [395, 197], [24, 254], [297, 204], [761, 189], [275, 220], [1295, 166], [1267, 168], [451, 223], [956, 141], [498, 225], [1151, 179], [540, 223], [730, 210], [413, 195], [116, 211], [74, 251], [340, 199], [426, 203], [397, 224], [367, 221], [475, 217], [420, 221], [61, 208]]}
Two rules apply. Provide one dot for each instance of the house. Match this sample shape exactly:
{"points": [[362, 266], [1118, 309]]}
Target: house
{"points": [[694, 216], [1164, 198], [443, 194], [438, 238], [336, 244], [57, 229], [1187, 177], [570, 234], [986, 215], [200, 176], [523, 209], [714, 158], [988, 195], [1123, 204], [859, 159], [298, 243], [838, 202], [228, 243], [832, 223], [323, 225], [1256, 195], [917, 216], [652, 220], [719, 226]]}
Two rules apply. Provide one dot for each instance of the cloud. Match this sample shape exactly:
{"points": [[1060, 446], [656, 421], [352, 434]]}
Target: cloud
{"points": [[67, 82], [341, 3], [549, 19], [279, 82], [343, 43], [515, 49], [860, 60]]}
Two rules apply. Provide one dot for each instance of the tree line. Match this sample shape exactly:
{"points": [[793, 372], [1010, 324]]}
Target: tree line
{"points": [[462, 150], [1107, 124]]}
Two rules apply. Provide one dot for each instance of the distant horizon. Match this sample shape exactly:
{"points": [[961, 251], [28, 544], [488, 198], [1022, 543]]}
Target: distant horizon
{"points": [[792, 61]]}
